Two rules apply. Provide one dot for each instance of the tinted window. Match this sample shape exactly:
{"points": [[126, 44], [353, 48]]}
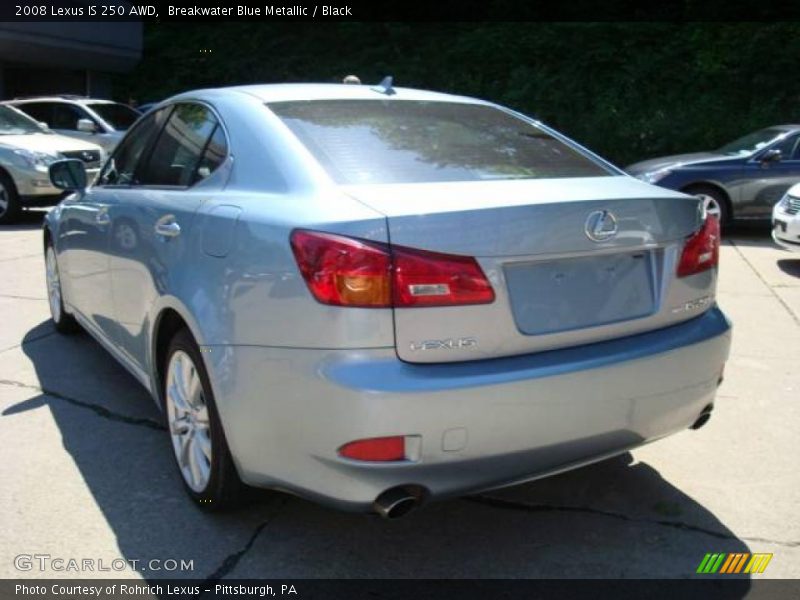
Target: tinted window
{"points": [[37, 110], [65, 116], [787, 146], [119, 116], [184, 148], [122, 167], [213, 157], [400, 141]]}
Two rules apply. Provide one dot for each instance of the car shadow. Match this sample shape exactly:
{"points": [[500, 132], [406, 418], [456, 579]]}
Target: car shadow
{"points": [[618, 518], [790, 266]]}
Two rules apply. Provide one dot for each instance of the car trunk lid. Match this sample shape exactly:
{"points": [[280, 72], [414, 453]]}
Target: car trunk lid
{"points": [[555, 286]]}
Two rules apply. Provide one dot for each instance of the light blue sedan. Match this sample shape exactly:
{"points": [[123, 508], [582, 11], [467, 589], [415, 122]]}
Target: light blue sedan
{"points": [[375, 297]]}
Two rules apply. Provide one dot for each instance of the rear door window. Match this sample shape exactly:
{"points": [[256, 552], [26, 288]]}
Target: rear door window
{"points": [[404, 141], [123, 166], [189, 148]]}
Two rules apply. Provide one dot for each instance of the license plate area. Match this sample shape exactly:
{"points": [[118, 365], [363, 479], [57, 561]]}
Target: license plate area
{"points": [[574, 293]]}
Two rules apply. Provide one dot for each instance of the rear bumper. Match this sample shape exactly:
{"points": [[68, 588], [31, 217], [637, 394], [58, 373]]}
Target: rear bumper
{"points": [[482, 424]]}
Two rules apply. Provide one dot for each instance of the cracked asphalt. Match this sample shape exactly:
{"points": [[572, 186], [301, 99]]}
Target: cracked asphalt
{"points": [[87, 470]]}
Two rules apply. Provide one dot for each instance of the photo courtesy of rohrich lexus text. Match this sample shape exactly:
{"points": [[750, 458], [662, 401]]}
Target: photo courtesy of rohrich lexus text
{"points": [[315, 301]]}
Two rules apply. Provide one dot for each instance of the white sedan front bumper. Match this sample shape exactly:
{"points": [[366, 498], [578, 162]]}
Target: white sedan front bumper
{"points": [[786, 224]]}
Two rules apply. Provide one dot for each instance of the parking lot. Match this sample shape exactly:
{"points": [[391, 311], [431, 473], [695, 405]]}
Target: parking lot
{"points": [[87, 470]]}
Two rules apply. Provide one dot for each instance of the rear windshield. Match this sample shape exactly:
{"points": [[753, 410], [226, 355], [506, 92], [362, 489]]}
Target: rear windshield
{"points": [[403, 141]]}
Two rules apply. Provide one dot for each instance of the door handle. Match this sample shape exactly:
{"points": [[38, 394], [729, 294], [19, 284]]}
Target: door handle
{"points": [[167, 227]]}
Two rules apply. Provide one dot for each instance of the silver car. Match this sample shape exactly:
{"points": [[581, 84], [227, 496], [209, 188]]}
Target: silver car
{"points": [[26, 151], [101, 122], [376, 297]]}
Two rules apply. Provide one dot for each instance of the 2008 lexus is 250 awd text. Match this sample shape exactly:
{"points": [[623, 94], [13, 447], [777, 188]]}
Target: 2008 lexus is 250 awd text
{"points": [[376, 297]]}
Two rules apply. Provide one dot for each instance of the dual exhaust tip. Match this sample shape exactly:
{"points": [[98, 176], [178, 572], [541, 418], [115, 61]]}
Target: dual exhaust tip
{"points": [[398, 501]]}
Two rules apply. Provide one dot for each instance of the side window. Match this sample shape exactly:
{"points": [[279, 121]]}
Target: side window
{"points": [[189, 148], [66, 116], [214, 156], [787, 146], [38, 110], [121, 168]]}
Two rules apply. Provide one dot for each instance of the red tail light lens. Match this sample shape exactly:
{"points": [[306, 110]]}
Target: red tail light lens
{"points": [[376, 449], [701, 251], [344, 271], [432, 279]]}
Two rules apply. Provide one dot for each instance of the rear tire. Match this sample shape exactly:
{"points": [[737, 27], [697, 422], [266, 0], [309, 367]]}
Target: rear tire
{"points": [[717, 202], [198, 440], [62, 320], [9, 200]]}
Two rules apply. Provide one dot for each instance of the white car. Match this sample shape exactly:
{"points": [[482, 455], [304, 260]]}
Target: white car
{"points": [[26, 151], [786, 220], [101, 122]]}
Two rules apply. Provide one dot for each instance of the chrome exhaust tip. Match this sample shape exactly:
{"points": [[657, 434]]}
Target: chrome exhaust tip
{"points": [[398, 502]]}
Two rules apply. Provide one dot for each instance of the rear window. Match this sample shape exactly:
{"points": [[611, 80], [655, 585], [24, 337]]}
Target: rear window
{"points": [[402, 141]]}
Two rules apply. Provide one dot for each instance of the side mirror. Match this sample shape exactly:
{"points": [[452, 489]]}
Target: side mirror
{"points": [[771, 156], [86, 125], [44, 125], [69, 174]]}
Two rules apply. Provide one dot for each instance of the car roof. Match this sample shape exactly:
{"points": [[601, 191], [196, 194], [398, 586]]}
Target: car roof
{"points": [[286, 92], [73, 99]]}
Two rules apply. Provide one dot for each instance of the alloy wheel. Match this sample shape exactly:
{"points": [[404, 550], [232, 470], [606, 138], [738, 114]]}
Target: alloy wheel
{"points": [[187, 415], [53, 284]]}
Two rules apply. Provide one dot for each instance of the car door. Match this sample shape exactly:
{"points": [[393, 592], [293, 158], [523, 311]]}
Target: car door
{"points": [[84, 240], [88, 244], [151, 225], [766, 180]]}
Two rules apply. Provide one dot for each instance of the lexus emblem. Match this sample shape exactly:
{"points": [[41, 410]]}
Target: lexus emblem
{"points": [[601, 225]]}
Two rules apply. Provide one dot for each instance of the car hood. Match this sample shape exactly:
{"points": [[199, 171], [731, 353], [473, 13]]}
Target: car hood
{"points": [[677, 160], [45, 142]]}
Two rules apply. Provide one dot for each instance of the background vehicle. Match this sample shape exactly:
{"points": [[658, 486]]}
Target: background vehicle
{"points": [[786, 220], [101, 122], [743, 179], [377, 296], [26, 151]]}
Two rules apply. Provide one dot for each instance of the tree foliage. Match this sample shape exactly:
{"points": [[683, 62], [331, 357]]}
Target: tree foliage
{"points": [[626, 90]]}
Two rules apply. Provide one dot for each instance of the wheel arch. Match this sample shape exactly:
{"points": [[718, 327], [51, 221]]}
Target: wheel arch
{"points": [[168, 318]]}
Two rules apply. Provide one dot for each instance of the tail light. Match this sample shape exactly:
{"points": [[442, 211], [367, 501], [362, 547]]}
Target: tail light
{"points": [[384, 449], [701, 251], [344, 271]]}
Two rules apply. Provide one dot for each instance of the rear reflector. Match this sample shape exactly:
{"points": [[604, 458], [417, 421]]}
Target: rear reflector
{"points": [[701, 251], [384, 449], [344, 271]]}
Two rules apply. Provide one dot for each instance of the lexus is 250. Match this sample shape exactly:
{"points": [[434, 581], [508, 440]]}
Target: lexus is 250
{"points": [[376, 297]]}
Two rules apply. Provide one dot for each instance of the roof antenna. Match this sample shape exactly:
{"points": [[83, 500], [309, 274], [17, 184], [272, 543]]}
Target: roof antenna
{"points": [[385, 86]]}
